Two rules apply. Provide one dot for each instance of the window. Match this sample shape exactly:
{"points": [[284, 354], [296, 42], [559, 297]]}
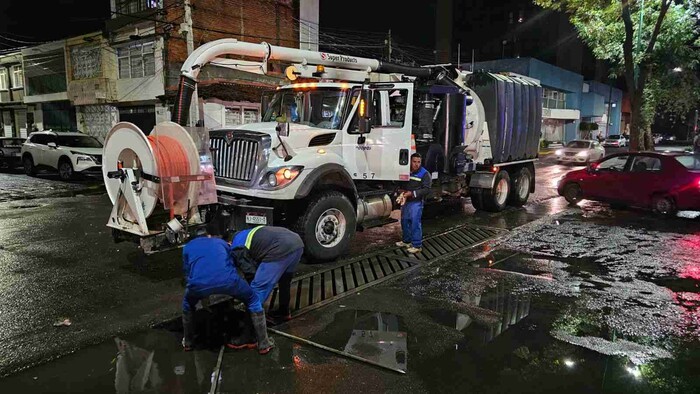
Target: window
{"points": [[232, 117], [397, 107], [322, 107], [11, 143], [137, 60], [616, 163], [3, 79], [645, 163], [17, 76], [250, 116], [78, 141], [579, 144], [86, 62], [553, 99], [690, 162], [40, 139], [134, 6]]}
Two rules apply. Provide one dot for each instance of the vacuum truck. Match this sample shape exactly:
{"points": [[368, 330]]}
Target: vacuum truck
{"points": [[333, 146]]}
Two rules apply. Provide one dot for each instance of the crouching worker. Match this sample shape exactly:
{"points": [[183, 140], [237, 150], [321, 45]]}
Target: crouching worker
{"points": [[209, 269], [270, 256]]}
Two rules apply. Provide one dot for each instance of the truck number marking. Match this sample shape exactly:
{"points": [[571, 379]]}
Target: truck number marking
{"points": [[364, 175]]}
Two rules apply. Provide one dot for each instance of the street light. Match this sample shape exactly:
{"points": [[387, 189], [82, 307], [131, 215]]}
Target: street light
{"points": [[677, 70]]}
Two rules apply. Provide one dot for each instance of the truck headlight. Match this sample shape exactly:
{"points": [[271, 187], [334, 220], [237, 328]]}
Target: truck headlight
{"points": [[559, 152], [83, 158], [280, 177]]}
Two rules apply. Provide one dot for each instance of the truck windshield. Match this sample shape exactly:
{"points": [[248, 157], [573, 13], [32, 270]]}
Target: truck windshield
{"points": [[323, 107]]}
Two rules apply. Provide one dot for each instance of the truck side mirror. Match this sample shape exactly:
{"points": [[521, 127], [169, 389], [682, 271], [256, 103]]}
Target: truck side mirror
{"points": [[364, 112], [282, 128]]}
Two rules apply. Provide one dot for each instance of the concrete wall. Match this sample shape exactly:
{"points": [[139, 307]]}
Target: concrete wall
{"points": [[612, 96], [592, 105], [308, 25]]}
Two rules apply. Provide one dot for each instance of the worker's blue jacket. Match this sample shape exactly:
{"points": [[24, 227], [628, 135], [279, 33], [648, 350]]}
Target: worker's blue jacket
{"points": [[207, 263], [419, 183]]}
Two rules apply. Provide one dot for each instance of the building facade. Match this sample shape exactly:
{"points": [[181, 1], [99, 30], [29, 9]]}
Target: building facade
{"points": [[46, 87], [562, 91], [150, 39], [14, 121]]}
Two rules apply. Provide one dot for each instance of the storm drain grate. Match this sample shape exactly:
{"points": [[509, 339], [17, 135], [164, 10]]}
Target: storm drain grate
{"points": [[449, 242], [314, 290]]}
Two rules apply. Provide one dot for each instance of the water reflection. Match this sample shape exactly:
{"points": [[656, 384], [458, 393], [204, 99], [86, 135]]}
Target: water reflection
{"points": [[161, 369]]}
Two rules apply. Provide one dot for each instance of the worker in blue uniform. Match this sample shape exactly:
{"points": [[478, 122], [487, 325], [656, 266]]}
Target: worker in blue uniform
{"points": [[269, 255], [412, 200], [209, 270]]}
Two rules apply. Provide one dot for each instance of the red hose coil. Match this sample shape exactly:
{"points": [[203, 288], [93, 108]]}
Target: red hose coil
{"points": [[172, 161]]}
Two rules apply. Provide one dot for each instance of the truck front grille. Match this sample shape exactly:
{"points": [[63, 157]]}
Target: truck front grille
{"points": [[236, 161]]}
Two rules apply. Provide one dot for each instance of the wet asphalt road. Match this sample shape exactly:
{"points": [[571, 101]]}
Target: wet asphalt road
{"points": [[616, 288]]}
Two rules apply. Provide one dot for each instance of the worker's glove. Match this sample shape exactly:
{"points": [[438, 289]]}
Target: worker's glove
{"points": [[401, 200]]}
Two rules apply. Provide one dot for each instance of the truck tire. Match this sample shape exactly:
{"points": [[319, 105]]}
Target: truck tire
{"points": [[495, 199], [327, 226], [520, 187], [475, 196]]}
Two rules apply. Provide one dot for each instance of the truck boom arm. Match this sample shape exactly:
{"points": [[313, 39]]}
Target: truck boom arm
{"points": [[212, 51]]}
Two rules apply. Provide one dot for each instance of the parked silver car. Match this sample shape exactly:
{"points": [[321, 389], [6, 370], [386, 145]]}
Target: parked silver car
{"points": [[580, 151]]}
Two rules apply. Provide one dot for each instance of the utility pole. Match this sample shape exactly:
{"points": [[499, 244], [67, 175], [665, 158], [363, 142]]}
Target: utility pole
{"points": [[387, 42], [186, 30], [459, 52]]}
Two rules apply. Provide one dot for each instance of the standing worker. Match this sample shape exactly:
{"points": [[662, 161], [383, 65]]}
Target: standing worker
{"points": [[412, 200], [271, 254], [209, 269]]}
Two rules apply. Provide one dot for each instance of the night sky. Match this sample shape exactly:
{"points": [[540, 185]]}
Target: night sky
{"points": [[29, 21], [358, 27]]}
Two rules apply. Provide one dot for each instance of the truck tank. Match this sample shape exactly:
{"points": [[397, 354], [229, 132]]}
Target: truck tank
{"points": [[513, 109]]}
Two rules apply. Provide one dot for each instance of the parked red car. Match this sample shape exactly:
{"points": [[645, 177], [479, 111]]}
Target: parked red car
{"points": [[663, 182]]}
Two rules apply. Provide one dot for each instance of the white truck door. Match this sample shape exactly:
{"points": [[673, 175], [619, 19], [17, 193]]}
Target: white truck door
{"points": [[384, 153]]}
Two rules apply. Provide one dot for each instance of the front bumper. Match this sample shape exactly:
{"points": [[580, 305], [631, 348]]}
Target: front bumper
{"points": [[572, 159]]}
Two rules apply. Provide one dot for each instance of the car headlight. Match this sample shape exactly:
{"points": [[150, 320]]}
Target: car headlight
{"points": [[280, 177], [559, 152], [582, 154], [84, 158]]}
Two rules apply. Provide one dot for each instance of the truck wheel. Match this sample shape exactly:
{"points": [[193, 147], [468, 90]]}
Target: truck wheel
{"points": [[327, 226], [494, 200], [475, 196], [520, 191]]}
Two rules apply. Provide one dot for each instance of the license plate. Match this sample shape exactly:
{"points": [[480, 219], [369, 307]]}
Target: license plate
{"points": [[255, 219]]}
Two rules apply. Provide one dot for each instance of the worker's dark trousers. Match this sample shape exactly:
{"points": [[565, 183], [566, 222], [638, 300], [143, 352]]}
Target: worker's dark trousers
{"points": [[269, 274], [238, 289], [411, 226]]}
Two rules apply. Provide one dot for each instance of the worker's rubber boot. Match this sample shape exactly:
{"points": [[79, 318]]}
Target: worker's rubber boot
{"points": [[188, 331], [265, 344], [247, 339], [282, 314]]}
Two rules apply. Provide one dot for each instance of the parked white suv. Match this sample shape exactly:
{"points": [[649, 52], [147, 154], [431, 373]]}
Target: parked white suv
{"points": [[67, 153]]}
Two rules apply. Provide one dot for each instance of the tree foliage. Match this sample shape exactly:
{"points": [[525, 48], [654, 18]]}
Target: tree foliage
{"points": [[669, 40]]}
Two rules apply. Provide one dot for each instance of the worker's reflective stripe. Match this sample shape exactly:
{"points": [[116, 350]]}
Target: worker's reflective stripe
{"points": [[415, 178], [249, 238]]}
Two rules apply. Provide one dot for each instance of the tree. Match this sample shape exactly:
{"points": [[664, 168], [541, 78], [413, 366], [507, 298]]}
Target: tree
{"points": [[645, 56]]}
